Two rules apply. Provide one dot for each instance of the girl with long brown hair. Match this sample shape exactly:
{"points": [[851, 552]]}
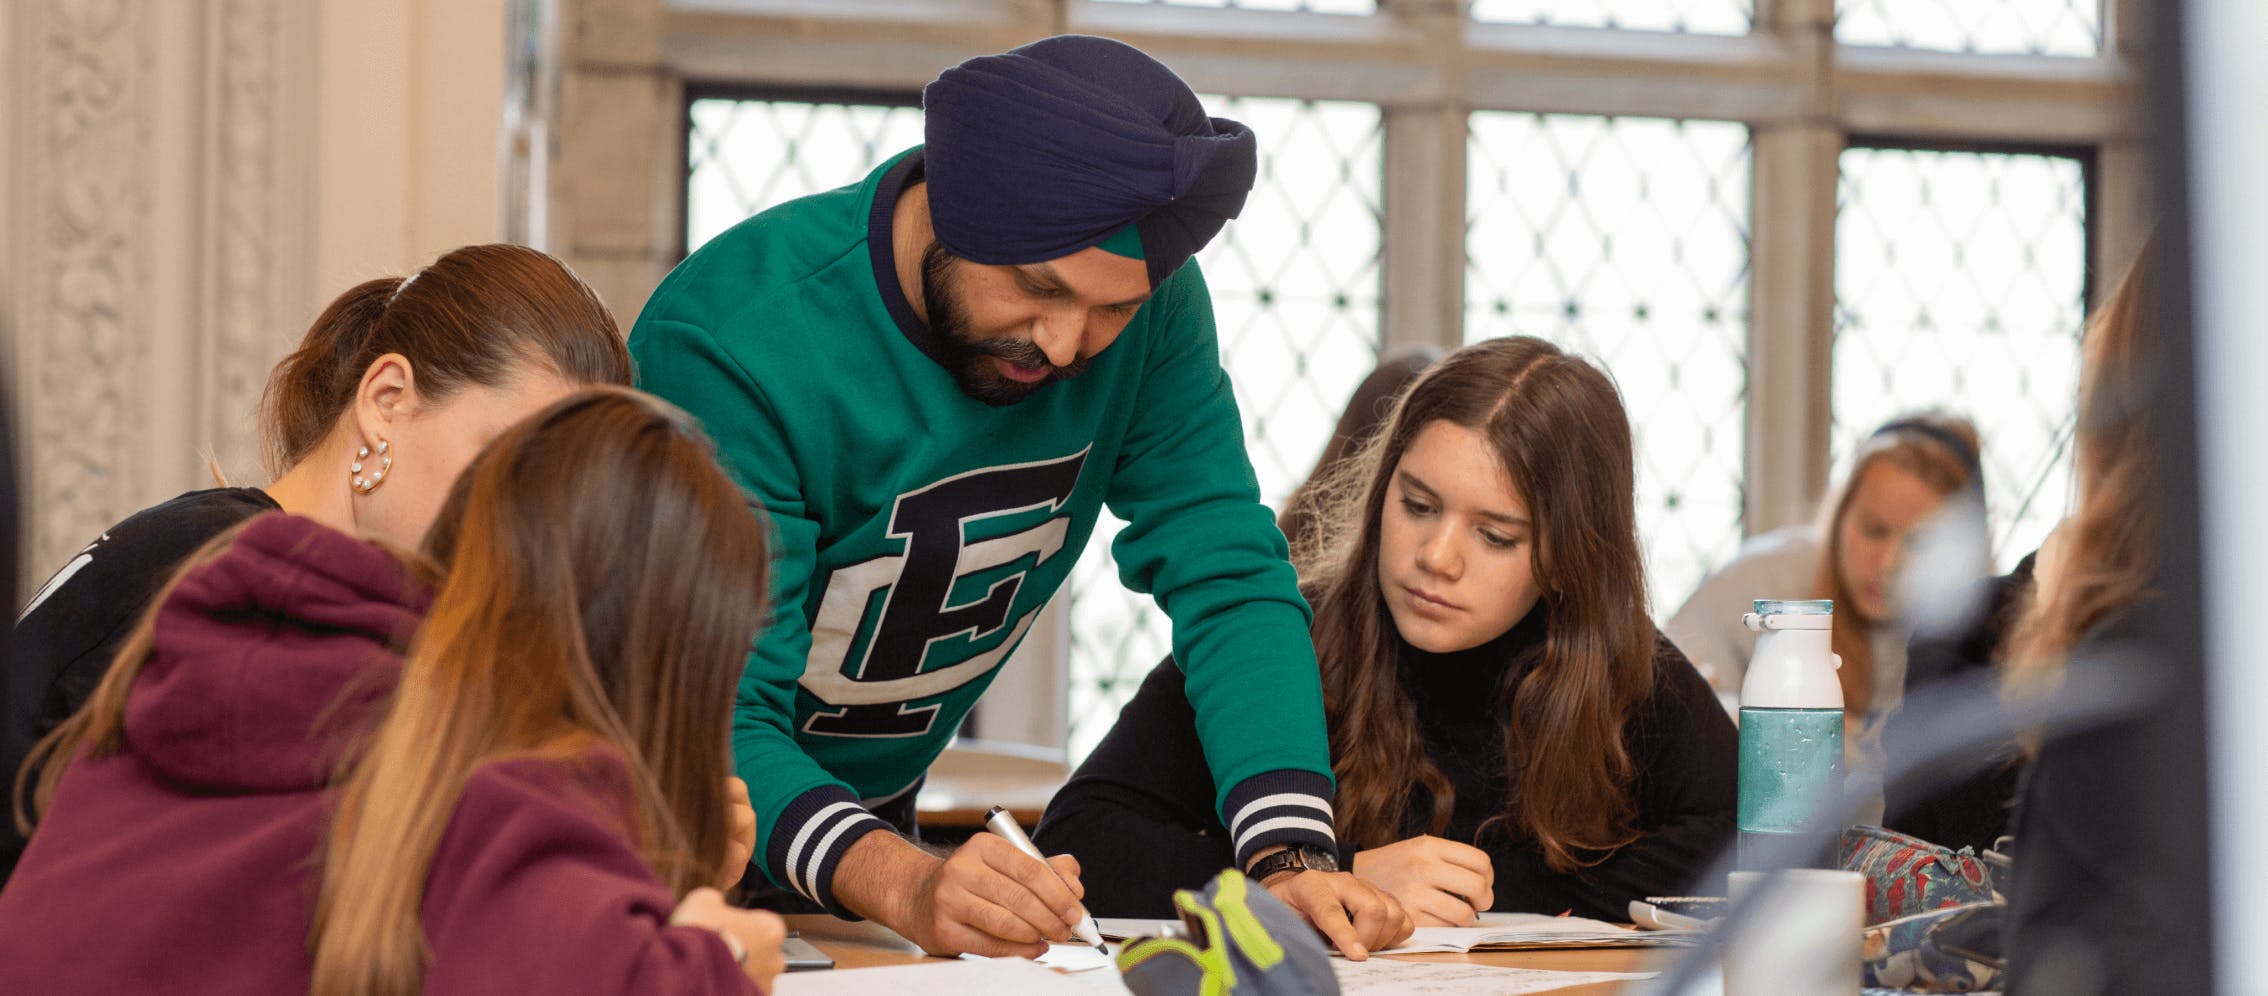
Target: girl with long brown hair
{"points": [[365, 426], [1903, 474], [276, 789], [1508, 731]]}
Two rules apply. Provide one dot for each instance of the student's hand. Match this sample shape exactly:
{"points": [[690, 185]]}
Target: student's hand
{"points": [[759, 932], [1355, 916], [740, 839], [987, 898], [1441, 882]]}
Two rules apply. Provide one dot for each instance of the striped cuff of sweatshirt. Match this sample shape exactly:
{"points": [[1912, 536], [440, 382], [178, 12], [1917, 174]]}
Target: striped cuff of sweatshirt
{"points": [[812, 834], [1279, 807]]}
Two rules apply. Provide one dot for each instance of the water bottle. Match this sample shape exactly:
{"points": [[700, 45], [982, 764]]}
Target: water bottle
{"points": [[1791, 735]]}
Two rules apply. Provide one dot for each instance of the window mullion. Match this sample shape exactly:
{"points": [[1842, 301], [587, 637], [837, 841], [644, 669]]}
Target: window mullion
{"points": [[1786, 17], [1425, 227], [2118, 214], [1791, 322], [1423, 191], [2126, 29], [2120, 218], [1792, 280]]}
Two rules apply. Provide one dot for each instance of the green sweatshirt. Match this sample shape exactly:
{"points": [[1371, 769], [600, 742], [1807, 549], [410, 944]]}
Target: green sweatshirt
{"points": [[919, 531]]}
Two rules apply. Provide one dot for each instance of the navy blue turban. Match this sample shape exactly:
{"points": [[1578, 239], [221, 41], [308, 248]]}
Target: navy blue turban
{"points": [[1062, 144]]}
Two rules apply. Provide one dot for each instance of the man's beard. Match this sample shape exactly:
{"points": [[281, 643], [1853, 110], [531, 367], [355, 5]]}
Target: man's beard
{"points": [[966, 354]]}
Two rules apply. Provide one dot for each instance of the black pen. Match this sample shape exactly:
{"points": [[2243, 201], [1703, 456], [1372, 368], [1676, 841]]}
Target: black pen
{"points": [[1005, 825]]}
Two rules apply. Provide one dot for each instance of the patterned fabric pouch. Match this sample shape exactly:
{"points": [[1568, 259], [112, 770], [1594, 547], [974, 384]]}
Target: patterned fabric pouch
{"points": [[1932, 913], [1241, 941]]}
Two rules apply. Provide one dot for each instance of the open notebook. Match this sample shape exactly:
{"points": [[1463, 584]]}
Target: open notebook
{"points": [[1495, 931], [1502, 931]]}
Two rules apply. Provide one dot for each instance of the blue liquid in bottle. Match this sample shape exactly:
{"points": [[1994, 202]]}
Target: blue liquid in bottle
{"points": [[1791, 777]]}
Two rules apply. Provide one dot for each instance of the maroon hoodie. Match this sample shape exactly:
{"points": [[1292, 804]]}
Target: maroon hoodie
{"points": [[189, 862]]}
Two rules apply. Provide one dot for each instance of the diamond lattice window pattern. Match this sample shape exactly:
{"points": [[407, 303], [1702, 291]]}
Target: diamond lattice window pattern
{"points": [[1959, 283], [1626, 240]]}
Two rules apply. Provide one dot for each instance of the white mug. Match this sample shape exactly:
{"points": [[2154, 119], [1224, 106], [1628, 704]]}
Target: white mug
{"points": [[1802, 939]]}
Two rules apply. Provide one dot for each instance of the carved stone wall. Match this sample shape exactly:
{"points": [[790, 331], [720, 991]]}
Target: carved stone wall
{"points": [[85, 117], [248, 317], [158, 256]]}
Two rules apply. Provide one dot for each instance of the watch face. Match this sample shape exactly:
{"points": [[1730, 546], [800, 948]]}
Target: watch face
{"points": [[1298, 857], [1280, 861]]}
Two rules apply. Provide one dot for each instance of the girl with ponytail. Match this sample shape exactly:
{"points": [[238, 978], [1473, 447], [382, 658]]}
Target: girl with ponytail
{"points": [[279, 789], [394, 387]]}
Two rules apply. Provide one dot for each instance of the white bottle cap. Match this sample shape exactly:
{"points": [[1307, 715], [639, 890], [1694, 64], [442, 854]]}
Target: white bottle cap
{"points": [[1795, 663]]}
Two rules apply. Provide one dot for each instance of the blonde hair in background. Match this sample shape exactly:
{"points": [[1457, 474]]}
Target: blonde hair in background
{"points": [[2101, 559], [1918, 452]]}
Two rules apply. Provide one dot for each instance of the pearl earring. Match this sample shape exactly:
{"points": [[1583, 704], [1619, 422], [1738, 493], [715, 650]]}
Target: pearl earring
{"points": [[367, 484]]}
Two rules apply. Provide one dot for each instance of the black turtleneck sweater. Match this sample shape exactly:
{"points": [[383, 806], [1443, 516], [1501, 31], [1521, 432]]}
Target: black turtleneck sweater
{"points": [[1139, 813]]}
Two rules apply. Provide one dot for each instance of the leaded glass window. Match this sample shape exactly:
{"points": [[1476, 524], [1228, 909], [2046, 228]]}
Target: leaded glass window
{"points": [[1709, 17], [1626, 240], [747, 155], [1959, 283], [2028, 27]]}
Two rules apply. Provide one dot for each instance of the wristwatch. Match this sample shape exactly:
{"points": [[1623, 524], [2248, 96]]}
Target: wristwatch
{"points": [[1297, 857]]}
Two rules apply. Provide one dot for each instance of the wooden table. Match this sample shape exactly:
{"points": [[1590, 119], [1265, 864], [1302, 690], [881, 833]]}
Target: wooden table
{"points": [[870, 945]]}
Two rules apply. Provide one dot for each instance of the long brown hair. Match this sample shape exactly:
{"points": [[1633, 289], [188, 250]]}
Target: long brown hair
{"points": [[98, 728], [605, 581], [1919, 443], [1557, 424], [467, 318], [2103, 555]]}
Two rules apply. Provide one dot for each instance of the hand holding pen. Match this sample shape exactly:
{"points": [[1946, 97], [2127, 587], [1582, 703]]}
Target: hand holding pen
{"points": [[1000, 822], [985, 898]]}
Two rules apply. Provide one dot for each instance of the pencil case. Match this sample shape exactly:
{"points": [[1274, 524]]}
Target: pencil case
{"points": [[1241, 941]]}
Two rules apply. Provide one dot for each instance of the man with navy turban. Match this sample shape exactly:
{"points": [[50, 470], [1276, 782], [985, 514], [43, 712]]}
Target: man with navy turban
{"points": [[933, 380]]}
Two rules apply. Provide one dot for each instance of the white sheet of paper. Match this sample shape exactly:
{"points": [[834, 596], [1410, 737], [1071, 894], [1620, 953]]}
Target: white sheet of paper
{"points": [[1074, 958], [1075, 963], [989, 976], [1381, 976]]}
